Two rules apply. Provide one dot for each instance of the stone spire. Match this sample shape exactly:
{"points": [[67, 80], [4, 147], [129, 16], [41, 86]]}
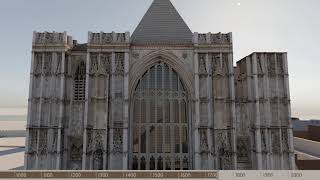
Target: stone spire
{"points": [[162, 24]]}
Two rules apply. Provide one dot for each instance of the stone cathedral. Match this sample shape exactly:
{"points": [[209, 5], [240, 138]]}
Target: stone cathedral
{"points": [[162, 98]]}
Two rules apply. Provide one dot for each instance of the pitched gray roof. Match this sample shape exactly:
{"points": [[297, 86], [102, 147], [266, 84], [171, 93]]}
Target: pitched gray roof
{"points": [[162, 24]]}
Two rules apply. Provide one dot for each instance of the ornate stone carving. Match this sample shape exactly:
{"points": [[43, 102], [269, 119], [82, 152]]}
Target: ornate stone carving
{"points": [[33, 140], [99, 137], [58, 64], [76, 148], [37, 63], [215, 38], [117, 140], [47, 64], [216, 65], [95, 38], [280, 63], [119, 63], [225, 39], [284, 140], [107, 38], [43, 147], [275, 140], [243, 149], [225, 63], [47, 37], [220, 38], [202, 38], [120, 37], [39, 38], [94, 63], [204, 148], [271, 64], [98, 153], [202, 64], [105, 63], [98, 160], [60, 37], [224, 149], [76, 122]]}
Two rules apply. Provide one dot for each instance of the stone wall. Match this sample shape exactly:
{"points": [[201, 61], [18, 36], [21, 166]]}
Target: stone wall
{"points": [[214, 102], [46, 100], [80, 109], [264, 136]]}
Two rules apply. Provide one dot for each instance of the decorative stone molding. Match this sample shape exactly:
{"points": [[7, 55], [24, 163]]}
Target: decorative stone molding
{"points": [[217, 38], [103, 38], [139, 68]]}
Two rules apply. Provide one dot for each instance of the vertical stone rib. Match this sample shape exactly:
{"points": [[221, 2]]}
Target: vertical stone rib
{"points": [[105, 154], [86, 110], [267, 109], [125, 111], [210, 113], [257, 112], [31, 104], [61, 111], [111, 122], [233, 109], [278, 125], [39, 113], [196, 114]]}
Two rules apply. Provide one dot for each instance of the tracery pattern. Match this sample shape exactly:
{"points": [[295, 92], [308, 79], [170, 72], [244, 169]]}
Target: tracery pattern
{"points": [[160, 121]]}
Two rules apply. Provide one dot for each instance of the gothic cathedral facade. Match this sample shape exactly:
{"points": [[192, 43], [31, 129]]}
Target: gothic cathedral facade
{"points": [[163, 98]]}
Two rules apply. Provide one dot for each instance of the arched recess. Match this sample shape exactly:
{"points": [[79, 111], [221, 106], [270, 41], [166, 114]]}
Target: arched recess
{"points": [[160, 118], [138, 68]]}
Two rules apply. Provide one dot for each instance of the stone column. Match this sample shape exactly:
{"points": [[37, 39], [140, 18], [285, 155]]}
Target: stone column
{"points": [[276, 79], [255, 98], [112, 96], [39, 112], [86, 110], [267, 109], [210, 133], [232, 109], [30, 104], [125, 111], [268, 81], [105, 154], [197, 157], [61, 111]]}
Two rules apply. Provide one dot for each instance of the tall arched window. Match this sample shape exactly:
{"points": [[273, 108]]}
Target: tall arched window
{"points": [[160, 121], [80, 82]]}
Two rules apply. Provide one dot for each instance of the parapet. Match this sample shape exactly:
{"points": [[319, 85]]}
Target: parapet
{"points": [[212, 39], [51, 38], [103, 38]]}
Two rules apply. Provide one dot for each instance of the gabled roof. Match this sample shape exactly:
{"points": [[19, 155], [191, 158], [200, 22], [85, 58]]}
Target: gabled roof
{"points": [[162, 24]]}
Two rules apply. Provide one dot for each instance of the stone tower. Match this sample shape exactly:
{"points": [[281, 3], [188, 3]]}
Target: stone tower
{"points": [[163, 98]]}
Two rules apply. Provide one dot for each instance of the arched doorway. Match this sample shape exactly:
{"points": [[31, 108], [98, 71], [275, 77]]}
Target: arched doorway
{"points": [[159, 117]]}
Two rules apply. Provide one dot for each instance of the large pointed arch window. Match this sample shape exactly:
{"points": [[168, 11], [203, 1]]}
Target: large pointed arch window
{"points": [[160, 121]]}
